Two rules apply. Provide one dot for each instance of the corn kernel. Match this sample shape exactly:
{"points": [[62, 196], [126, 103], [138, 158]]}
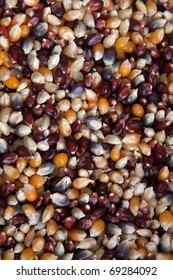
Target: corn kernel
{"points": [[157, 36], [25, 31], [125, 68], [12, 82], [129, 47], [37, 181], [166, 219], [121, 43], [60, 160], [30, 192], [103, 106], [27, 254], [138, 110], [70, 115], [115, 154], [2, 57]]}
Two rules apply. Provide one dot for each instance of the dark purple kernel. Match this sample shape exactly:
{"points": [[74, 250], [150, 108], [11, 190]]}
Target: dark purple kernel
{"points": [[6, 189], [143, 222], [108, 255], [125, 215], [161, 189], [145, 89], [9, 243], [30, 101], [69, 222], [48, 155], [77, 88], [159, 153], [83, 145], [27, 117], [71, 145], [103, 89], [36, 88], [57, 9], [21, 151], [8, 158], [93, 39], [162, 88], [84, 224], [101, 188], [37, 110], [98, 213], [135, 25], [123, 92], [134, 125], [167, 67], [50, 110], [19, 219], [96, 5], [87, 163], [140, 51], [59, 76]]}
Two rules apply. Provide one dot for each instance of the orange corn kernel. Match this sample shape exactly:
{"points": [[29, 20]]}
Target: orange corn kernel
{"points": [[30, 192], [60, 160], [25, 31], [138, 110], [12, 82], [37, 181]]}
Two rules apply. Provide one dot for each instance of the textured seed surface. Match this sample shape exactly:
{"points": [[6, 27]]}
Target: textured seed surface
{"points": [[86, 130]]}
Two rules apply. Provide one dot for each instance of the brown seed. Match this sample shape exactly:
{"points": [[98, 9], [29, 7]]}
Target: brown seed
{"points": [[97, 228], [76, 234]]}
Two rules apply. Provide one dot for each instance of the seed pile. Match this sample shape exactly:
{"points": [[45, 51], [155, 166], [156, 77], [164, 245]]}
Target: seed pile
{"points": [[86, 129]]}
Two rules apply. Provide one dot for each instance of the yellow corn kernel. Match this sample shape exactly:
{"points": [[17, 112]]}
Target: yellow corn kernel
{"points": [[25, 31], [60, 159], [115, 154], [37, 181], [12, 82], [121, 43], [2, 57], [166, 219], [27, 254], [138, 110], [97, 228], [129, 47], [125, 68], [157, 36], [103, 106], [30, 192]]}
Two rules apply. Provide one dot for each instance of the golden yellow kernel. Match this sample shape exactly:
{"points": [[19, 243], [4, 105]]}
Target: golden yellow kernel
{"points": [[166, 219], [48, 256], [157, 36], [37, 180], [103, 105], [121, 43], [76, 234], [115, 154], [129, 47], [138, 110], [27, 254], [25, 31], [30, 192], [60, 159], [2, 57], [70, 115], [125, 68], [12, 82]]}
